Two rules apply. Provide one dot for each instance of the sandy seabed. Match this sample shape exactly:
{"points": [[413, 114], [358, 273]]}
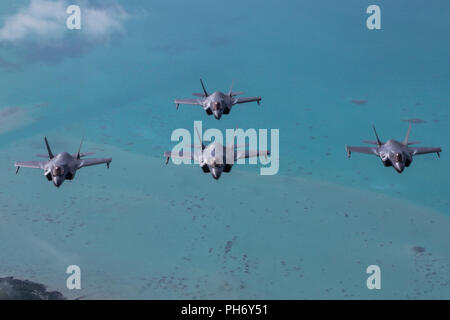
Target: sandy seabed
{"points": [[145, 230]]}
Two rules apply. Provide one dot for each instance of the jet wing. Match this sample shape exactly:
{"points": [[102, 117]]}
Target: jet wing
{"points": [[368, 150], [241, 154], [82, 154], [30, 164], [180, 155], [245, 100], [93, 162], [188, 101], [423, 150]]}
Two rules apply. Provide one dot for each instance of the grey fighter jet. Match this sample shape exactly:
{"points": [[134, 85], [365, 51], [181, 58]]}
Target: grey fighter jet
{"points": [[213, 158], [217, 103], [62, 166], [394, 153]]}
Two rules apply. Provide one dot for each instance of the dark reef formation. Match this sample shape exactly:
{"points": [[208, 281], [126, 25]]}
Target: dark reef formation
{"points": [[359, 101], [15, 289], [414, 120]]}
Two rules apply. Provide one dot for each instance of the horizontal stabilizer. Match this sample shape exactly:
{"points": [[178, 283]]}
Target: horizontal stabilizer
{"points": [[84, 154], [237, 93], [245, 154], [413, 142], [237, 146], [193, 146], [372, 142]]}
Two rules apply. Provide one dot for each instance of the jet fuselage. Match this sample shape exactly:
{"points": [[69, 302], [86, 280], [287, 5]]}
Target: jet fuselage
{"points": [[217, 103], [214, 159], [394, 153], [63, 166]]}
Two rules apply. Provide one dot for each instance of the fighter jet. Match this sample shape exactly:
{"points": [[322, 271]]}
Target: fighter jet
{"points": [[62, 166], [394, 153], [217, 103], [213, 158]]}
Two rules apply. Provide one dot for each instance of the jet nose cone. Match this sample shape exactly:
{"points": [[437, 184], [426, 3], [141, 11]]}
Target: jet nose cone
{"points": [[399, 167], [217, 114], [215, 173], [57, 182]]}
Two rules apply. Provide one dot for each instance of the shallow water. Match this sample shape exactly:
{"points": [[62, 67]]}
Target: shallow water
{"points": [[146, 230]]}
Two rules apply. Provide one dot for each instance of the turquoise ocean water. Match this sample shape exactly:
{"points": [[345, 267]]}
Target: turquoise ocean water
{"points": [[146, 230]]}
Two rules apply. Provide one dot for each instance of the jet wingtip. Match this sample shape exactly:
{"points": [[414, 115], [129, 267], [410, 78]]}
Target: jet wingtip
{"points": [[347, 149]]}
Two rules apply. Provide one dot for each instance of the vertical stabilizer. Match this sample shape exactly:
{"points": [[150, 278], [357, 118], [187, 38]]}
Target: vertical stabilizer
{"points": [[79, 148], [50, 154], [230, 93], [376, 134], [203, 87], [405, 142]]}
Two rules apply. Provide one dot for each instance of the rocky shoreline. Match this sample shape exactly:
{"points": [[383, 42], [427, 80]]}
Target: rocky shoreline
{"points": [[16, 289]]}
